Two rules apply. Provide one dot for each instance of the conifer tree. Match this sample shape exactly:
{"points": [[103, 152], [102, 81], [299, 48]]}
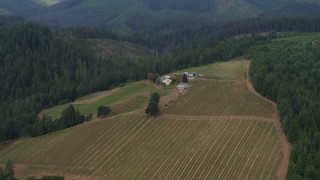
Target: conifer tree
{"points": [[9, 171], [103, 111], [184, 78], [153, 108]]}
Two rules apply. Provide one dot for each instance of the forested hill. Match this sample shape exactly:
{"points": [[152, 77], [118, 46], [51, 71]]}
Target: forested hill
{"points": [[129, 16], [287, 70], [18, 7], [41, 67]]}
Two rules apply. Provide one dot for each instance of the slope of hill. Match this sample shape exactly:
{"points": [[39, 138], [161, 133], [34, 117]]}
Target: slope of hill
{"points": [[105, 48], [138, 147], [170, 146], [287, 70], [17, 7], [48, 2], [153, 15], [43, 65], [121, 100]]}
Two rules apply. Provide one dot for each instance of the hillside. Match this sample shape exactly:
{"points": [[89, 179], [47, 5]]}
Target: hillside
{"points": [[128, 16], [172, 145], [48, 2], [17, 7], [287, 70], [121, 100], [42, 67], [105, 48]]}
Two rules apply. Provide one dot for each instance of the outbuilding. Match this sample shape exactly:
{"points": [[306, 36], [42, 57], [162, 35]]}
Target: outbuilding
{"points": [[191, 75], [182, 87], [166, 81]]}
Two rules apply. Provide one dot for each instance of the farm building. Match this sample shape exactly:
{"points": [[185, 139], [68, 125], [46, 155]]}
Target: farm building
{"points": [[166, 81], [182, 87], [191, 75], [165, 77]]}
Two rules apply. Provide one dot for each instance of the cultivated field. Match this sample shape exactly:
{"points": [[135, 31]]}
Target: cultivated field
{"points": [[218, 129], [219, 98], [138, 147], [231, 70]]}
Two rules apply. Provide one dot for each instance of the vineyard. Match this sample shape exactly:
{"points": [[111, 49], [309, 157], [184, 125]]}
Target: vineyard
{"points": [[126, 147], [232, 70], [219, 98], [218, 129]]}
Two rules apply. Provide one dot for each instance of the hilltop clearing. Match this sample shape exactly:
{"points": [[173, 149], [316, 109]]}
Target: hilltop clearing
{"points": [[105, 48]]}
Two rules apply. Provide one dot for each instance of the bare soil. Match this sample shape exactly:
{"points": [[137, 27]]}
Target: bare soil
{"points": [[10, 144], [167, 99]]}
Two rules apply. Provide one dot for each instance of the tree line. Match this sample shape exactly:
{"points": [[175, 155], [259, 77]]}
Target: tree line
{"points": [[183, 37], [288, 72]]}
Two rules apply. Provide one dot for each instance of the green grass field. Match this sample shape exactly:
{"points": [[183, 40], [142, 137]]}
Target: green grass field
{"points": [[138, 147], [139, 91], [300, 37]]}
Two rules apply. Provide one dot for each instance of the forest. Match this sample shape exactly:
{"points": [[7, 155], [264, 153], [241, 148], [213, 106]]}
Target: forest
{"points": [[288, 72]]}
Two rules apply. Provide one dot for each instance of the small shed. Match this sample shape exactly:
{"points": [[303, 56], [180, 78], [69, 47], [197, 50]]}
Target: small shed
{"points": [[165, 77], [182, 87], [191, 75]]}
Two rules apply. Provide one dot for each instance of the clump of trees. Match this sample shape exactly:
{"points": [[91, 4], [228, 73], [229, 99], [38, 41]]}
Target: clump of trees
{"points": [[153, 77], [153, 108], [69, 117], [184, 78], [8, 172], [47, 178], [103, 111]]}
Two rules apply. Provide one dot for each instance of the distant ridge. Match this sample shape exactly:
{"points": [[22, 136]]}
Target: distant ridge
{"points": [[130, 16]]}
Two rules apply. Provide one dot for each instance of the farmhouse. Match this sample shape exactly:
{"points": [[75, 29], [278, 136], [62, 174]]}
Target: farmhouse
{"points": [[166, 81], [165, 77], [182, 87]]}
